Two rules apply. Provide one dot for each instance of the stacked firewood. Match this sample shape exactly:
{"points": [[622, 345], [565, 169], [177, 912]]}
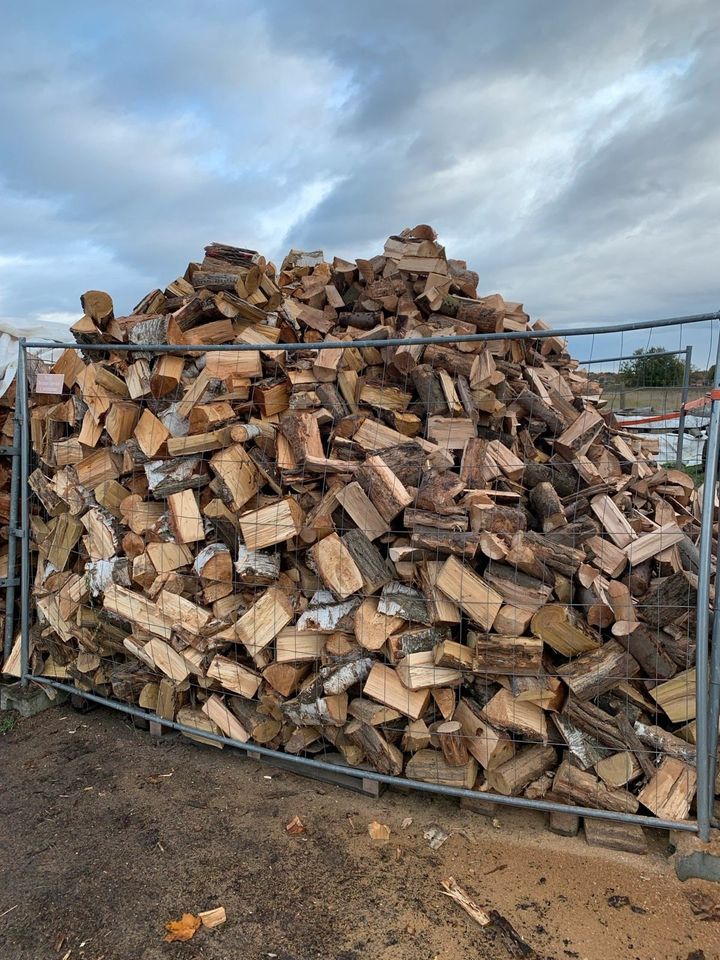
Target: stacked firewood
{"points": [[441, 561]]}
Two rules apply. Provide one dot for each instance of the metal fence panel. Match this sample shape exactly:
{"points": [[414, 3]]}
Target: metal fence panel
{"points": [[706, 707]]}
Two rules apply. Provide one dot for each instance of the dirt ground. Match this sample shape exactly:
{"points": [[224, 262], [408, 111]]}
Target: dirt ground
{"points": [[106, 834]]}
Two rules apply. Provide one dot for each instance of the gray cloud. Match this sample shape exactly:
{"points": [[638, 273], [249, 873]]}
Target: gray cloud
{"points": [[566, 150]]}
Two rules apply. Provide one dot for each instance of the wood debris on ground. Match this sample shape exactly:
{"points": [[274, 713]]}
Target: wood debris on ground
{"points": [[515, 943], [213, 918], [378, 831], [446, 562]]}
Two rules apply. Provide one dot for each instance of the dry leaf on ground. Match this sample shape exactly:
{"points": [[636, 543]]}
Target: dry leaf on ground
{"points": [[183, 929]]}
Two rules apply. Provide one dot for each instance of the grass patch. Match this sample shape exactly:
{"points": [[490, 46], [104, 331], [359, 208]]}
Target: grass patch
{"points": [[695, 471], [7, 722]]}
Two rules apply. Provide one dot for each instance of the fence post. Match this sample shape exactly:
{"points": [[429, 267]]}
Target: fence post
{"points": [[12, 571], [704, 759], [683, 401], [22, 405], [714, 711]]}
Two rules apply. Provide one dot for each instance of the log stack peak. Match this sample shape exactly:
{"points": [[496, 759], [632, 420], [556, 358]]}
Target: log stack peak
{"points": [[446, 561]]}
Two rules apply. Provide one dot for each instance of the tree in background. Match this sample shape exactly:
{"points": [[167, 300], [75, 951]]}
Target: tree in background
{"points": [[653, 369]]}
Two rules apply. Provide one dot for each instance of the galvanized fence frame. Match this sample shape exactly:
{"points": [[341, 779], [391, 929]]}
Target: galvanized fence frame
{"points": [[11, 581], [708, 674]]}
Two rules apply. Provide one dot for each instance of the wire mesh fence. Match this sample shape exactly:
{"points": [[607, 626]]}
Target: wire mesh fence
{"points": [[435, 559]]}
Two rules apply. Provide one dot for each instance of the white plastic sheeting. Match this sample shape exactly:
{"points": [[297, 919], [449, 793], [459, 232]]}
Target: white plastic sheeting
{"points": [[692, 444], [11, 332]]}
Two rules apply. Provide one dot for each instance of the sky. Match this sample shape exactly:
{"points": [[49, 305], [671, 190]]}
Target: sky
{"points": [[568, 150]]}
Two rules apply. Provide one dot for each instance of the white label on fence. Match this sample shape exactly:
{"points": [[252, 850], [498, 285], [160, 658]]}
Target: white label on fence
{"points": [[49, 383]]}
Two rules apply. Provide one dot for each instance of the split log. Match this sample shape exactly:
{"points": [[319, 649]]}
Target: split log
{"points": [[429, 766], [598, 670], [583, 789], [547, 506], [454, 750], [527, 765], [384, 756], [669, 794]]}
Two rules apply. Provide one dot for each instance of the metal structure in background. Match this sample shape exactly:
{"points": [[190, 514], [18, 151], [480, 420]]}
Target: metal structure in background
{"points": [[707, 719], [708, 677], [11, 581], [687, 369]]}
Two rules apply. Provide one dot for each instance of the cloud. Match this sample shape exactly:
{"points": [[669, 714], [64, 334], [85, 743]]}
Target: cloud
{"points": [[566, 150]]}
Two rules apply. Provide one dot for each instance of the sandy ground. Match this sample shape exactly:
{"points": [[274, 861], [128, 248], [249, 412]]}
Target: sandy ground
{"points": [[106, 834]]}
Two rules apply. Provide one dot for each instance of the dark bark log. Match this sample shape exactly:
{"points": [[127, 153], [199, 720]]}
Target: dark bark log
{"points": [[645, 647], [375, 569], [546, 505], [429, 390], [669, 600], [536, 408]]}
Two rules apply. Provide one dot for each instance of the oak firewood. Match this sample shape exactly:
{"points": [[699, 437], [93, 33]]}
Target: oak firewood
{"points": [[510, 713], [507, 655], [384, 489], [185, 519], [563, 630], [334, 565], [598, 670], [384, 756], [384, 685], [452, 743], [547, 506], [579, 787], [479, 601]]}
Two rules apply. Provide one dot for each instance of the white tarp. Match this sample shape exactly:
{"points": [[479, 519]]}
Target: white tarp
{"points": [[692, 444], [10, 333]]}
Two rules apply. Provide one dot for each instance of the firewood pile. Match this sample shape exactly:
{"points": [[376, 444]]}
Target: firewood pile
{"points": [[441, 561]]}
